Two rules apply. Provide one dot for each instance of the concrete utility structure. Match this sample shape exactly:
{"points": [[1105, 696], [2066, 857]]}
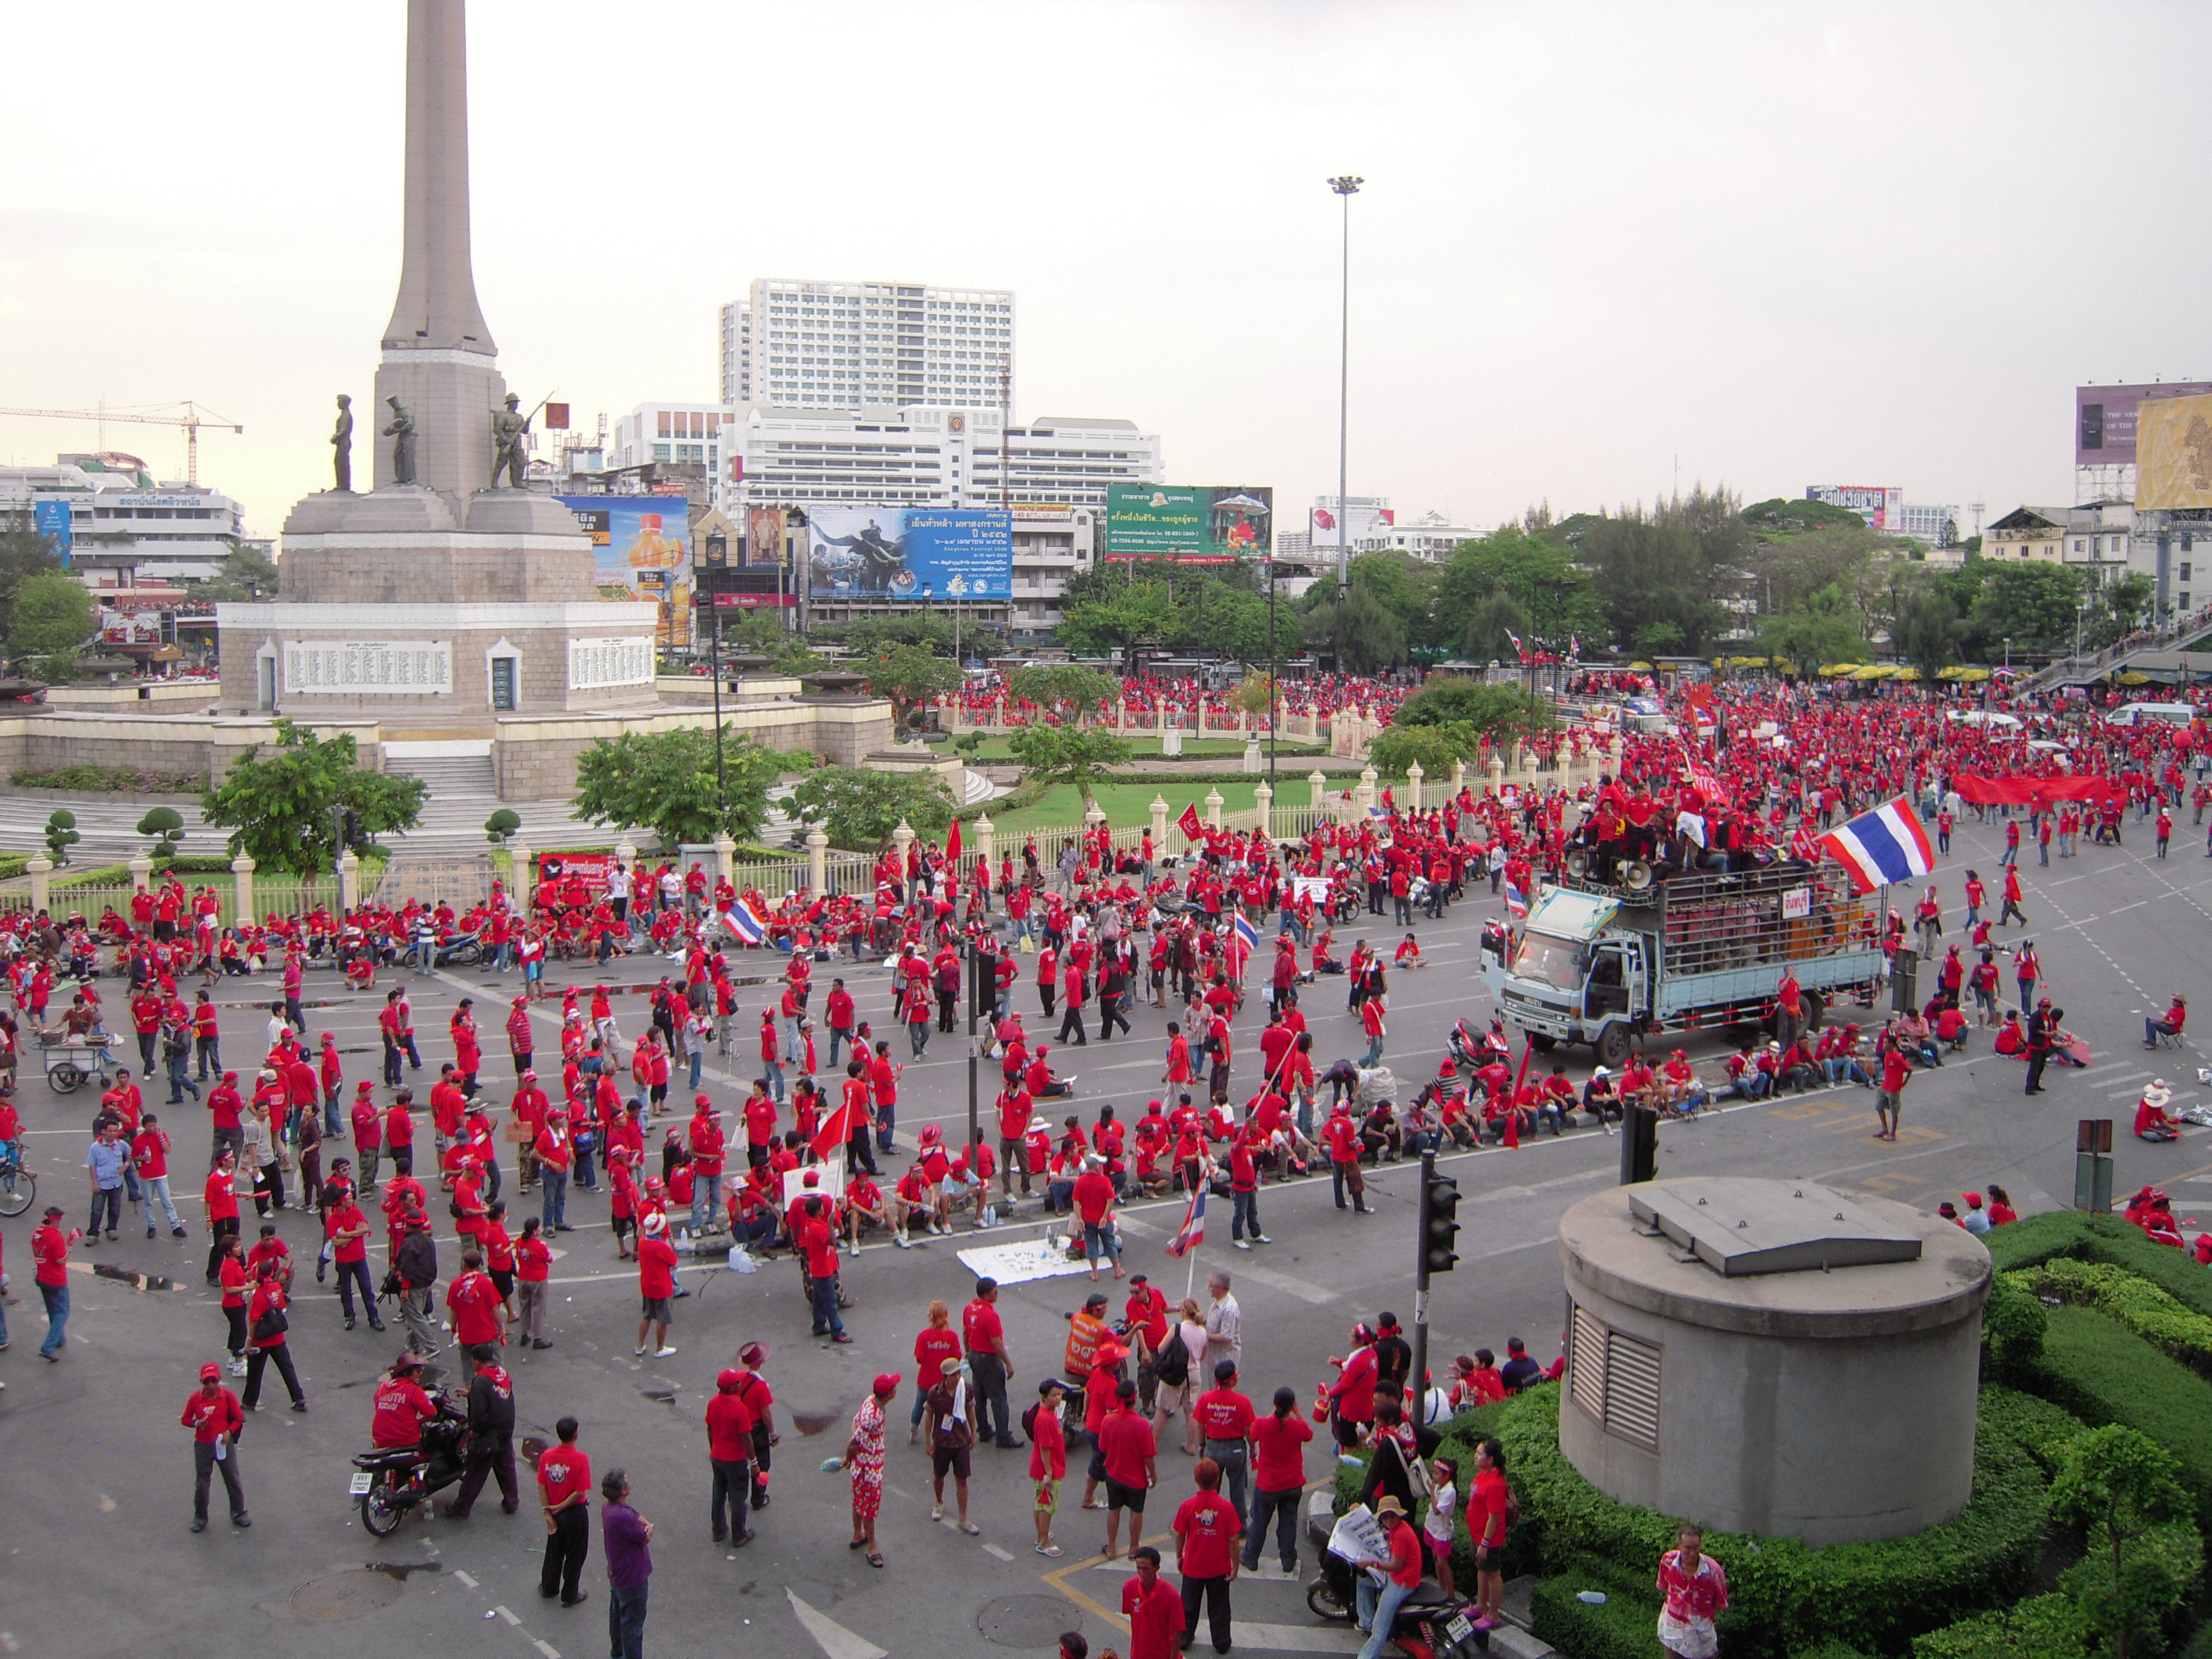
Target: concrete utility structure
{"points": [[1771, 1357]]}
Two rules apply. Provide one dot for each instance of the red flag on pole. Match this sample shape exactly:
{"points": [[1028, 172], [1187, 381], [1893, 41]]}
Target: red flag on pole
{"points": [[952, 844], [1189, 824]]}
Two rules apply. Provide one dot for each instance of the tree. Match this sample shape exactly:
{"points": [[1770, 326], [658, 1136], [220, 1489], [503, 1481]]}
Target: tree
{"points": [[1069, 687], [1662, 638], [1124, 616], [1517, 580], [910, 676], [1824, 629], [246, 573], [2033, 604], [501, 826], [1496, 622], [859, 808], [165, 825], [665, 781], [50, 612], [1358, 629], [1925, 630], [61, 835], [2123, 1488], [1661, 568], [24, 553], [1500, 713], [282, 807], [2119, 608], [1069, 754], [1396, 748]]}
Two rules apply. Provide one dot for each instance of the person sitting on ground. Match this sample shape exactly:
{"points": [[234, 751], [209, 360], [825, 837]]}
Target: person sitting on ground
{"points": [[1919, 1042], [2151, 1121], [1599, 1098], [2011, 1036], [1681, 1092], [1951, 1029], [1793, 1066]]}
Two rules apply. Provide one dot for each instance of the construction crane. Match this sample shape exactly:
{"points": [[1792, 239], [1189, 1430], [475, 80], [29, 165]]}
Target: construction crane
{"points": [[192, 419]]}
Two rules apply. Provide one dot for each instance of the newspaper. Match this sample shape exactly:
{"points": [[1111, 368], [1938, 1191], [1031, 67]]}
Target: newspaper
{"points": [[1358, 1537]]}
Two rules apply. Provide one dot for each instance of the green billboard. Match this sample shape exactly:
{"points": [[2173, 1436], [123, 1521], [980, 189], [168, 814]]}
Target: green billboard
{"points": [[1189, 523]]}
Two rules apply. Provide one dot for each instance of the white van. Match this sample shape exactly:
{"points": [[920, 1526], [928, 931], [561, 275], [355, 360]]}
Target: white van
{"points": [[2135, 713]]}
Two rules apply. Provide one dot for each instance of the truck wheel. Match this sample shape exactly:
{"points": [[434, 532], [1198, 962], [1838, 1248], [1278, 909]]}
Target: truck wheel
{"points": [[1541, 1044], [1814, 1008], [1612, 1045]]}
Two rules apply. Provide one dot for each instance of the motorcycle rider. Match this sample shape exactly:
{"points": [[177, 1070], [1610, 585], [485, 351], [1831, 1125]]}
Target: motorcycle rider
{"points": [[491, 1435], [402, 1406]]}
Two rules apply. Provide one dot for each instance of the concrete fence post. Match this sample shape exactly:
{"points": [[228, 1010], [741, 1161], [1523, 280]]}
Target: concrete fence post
{"points": [[817, 860], [348, 880], [142, 872], [40, 870], [241, 876], [1264, 799], [1413, 777], [1159, 810], [1213, 807]]}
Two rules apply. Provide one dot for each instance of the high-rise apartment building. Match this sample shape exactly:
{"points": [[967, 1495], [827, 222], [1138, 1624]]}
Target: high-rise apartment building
{"points": [[799, 344]]}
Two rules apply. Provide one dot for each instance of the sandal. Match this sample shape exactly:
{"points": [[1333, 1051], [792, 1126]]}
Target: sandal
{"points": [[858, 1544], [971, 1529], [874, 1559], [1094, 1506]]}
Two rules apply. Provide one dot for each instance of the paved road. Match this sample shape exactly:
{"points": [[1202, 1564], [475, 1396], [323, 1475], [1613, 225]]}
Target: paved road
{"points": [[109, 1471]]}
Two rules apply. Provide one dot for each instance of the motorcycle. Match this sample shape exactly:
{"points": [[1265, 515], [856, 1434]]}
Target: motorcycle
{"points": [[393, 1480], [1431, 1624]]}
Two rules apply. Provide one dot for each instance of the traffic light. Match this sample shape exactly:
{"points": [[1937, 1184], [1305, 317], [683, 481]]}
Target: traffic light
{"points": [[1440, 1206], [349, 828]]}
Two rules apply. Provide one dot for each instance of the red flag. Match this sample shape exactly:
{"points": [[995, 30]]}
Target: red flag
{"points": [[952, 843], [1189, 824]]}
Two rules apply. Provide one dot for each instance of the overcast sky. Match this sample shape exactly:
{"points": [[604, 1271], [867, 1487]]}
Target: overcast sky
{"points": [[1787, 245]]}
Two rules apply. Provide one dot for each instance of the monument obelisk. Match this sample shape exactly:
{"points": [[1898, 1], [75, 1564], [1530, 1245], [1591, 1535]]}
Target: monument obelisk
{"points": [[435, 593]]}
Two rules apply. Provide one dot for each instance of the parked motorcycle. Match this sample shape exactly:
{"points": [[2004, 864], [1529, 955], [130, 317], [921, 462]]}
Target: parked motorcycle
{"points": [[1432, 1624], [393, 1480]]}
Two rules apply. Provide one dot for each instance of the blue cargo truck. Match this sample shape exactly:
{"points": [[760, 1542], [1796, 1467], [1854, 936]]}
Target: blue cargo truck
{"points": [[1704, 950]]}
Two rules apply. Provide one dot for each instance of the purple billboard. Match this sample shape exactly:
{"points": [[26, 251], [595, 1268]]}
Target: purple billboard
{"points": [[2105, 418]]}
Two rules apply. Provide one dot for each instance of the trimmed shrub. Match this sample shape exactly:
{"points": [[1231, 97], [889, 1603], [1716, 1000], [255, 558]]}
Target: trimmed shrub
{"points": [[2038, 1428], [112, 779], [1625, 1625], [1832, 1649], [2046, 1626], [1786, 1596], [2107, 1239], [2127, 1298], [2013, 1322], [2103, 1373], [2200, 1645], [13, 865], [2162, 1568], [195, 864]]}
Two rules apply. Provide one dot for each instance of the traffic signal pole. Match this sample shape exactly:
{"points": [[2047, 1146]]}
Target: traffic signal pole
{"points": [[1435, 1226]]}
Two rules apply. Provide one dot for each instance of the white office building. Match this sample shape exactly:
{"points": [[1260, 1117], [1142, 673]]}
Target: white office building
{"points": [[125, 527], [1432, 537], [674, 435], [802, 345], [1931, 526]]}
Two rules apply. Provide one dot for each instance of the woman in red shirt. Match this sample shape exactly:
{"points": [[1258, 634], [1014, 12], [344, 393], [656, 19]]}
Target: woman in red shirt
{"points": [[1485, 1524], [533, 1272], [230, 1273], [937, 1343], [266, 1308], [1279, 1479], [221, 1200]]}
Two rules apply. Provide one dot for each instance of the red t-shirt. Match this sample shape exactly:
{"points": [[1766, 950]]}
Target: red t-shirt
{"points": [[564, 1471], [1125, 1440], [931, 1348], [1207, 1523], [402, 1408], [1279, 1460], [980, 1322], [656, 1267], [1487, 1500], [474, 1301], [1155, 1618], [729, 1429], [1223, 1414]]}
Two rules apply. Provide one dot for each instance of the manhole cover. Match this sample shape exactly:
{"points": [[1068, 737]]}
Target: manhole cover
{"points": [[348, 1593], [1025, 1621]]}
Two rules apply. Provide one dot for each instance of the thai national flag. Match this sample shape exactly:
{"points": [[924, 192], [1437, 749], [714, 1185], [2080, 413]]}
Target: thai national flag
{"points": [[1886, 845], [745, 922], [1246, 934], [1192, 1233], [1516, 899]]}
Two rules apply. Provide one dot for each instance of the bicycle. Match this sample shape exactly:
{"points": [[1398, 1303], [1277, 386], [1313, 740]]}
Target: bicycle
{"points": [[18, 1187]]}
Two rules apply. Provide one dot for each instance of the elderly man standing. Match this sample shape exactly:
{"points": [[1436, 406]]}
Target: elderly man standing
{"points": [[1224, 1325]]}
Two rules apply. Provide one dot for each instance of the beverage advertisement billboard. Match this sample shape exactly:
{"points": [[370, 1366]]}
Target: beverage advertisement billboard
{"points": [[1882, 506], [641, 550], [2105, 418], [909, 554], [1165, 521], [2174, 454]]}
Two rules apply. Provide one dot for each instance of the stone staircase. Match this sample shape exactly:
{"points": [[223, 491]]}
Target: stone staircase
{"points": [[463, 776]]}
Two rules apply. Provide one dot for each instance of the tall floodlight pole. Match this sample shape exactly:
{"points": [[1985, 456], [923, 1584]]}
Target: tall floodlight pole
{"points": [[1347, 185]]}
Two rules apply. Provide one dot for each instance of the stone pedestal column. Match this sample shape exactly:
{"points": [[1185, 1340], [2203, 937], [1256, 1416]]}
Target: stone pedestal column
{"points": [[40, 870], [1497, 774], [241, 876], [142, 872], [1093, 815], [1364, 796], [1121, 717], [1317, 780], [1159, 809], [348, 880], [1213, 807], [1264, 799], [901, 839], [1459, 776], [987, 844], [726, 858], [519, 883], [818, 860], [1415, 774]]}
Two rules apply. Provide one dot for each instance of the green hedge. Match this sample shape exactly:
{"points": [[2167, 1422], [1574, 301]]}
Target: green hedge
{"points": [[112, 779], [1834, 1648], [1784, 1596], [2129, 1299], [1625, 1625], [194, 864], [2105, 1238], [2041, 1627], [2103, 1373], [2038, 1428], [13, 865], [2012, 1324]]}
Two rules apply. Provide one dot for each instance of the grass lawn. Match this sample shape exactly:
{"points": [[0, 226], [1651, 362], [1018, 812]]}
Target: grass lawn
{"points": [[1129, 805]]}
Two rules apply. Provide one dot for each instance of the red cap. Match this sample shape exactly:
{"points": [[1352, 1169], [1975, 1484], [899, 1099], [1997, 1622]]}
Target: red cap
{"points": [[211, 1372]]}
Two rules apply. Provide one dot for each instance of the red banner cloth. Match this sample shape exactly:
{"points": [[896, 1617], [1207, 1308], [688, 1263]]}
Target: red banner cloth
{"points": [[2015, 791]]}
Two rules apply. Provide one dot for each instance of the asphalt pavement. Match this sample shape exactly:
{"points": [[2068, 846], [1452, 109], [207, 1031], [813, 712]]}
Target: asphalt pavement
{"points": [[100, 1562]]}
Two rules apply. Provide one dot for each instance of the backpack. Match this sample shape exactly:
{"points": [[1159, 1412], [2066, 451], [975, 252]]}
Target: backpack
{"points": [[1172, 1366], [1029, 1420]]}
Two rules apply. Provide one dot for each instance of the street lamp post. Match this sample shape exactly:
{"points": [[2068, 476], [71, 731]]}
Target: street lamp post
{"points": [[1274, 673], [1347, 185], [2008, 653]]}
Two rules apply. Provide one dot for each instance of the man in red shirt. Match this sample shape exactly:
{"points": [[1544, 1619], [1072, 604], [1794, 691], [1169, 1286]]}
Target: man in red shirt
{"points": [[1889, 1098], [1209, 1535], [816, 1239], [212, 1414], [656, 1281], [1129, 1453], [564, 1484], [475, 1304], [730, 1451], [1379, 1610], [401, 1407], [1154, 1612], [49, 1249], [706, 1144], [986, 1337], [1224, 1418], [1093, 1197]]}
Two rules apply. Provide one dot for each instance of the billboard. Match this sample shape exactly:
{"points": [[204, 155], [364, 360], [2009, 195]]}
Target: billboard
{"points": [[909, 554], [2106, 416], [764, 528], [1882, 506], [51, 520], [2174, 454], [641, 550], [1368, 516], [1158, 521]]}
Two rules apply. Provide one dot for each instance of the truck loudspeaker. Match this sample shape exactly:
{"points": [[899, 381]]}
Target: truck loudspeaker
{"points": [[1639, 1145], [1577, 863], [1635, 875]]}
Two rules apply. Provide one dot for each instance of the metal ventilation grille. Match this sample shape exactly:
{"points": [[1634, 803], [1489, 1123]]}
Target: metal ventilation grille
{"points": [[1586, 1363], [1631, 1391]]}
